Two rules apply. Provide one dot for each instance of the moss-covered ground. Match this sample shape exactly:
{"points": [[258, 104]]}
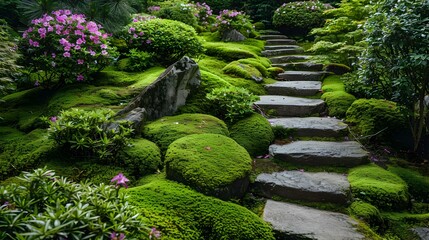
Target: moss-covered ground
{"points": [[335, 96]]}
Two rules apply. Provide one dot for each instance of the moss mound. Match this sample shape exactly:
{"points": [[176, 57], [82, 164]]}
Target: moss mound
{"points": [[253, 133], [166, 130], [337, 68], [333, 83], [366, 212], [273, 72], [210, 163], [143, 157], [418, 185], [232, 51], [243, 70], [369, 116], [181, 213], [261, 64], [379, 187], [338, 102]]}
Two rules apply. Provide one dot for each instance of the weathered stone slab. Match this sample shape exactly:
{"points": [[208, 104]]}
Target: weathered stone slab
{"points": [[291, 106], [289, 58], [304, 186], [272, 36], [312, 126], [233, 36], [292, 221], [294, 88], [279, 52], [270, 32], [301, 76], [300, 66], [280, 41], [422, 232], [319, 153], [275, 47]]}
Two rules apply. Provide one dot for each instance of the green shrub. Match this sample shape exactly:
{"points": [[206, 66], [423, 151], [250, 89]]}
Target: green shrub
{"points": [[9, 70], [232, 104], [299, 17], [168, 40], [338, 103], [418, 185], [228, 20], [87, 133], [45, 206], [212, 164], [253, 133], [181, 213], [166, 130], [182, 12], [137, 61], [366, 212], [142, 157], [379, 187]]}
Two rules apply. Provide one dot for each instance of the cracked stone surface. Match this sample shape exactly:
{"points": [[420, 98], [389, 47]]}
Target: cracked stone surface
{"points": [[294, 88], [312, 126], [286, 106]]}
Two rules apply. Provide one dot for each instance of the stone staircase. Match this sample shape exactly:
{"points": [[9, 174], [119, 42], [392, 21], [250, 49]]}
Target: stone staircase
{"points": [[305, 116]]}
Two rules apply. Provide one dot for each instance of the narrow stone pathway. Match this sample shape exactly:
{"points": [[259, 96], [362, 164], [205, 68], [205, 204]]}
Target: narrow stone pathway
{"points": [[305, 116]]}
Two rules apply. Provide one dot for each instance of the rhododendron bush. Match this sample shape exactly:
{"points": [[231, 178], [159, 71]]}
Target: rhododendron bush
{"points": [[63, 47], [232, 19]]}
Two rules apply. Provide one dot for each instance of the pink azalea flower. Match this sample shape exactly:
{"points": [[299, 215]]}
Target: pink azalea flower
{"points": [[114, 236], [66, 54], [80, 61], [148, 41], [61, 18], [80, 41], [92, 27], [103, 46], [80, 77], [50, 29], [154, 233], [92, 53], [53, 55], [77, 47], [67, 12], [120, 179], [104, 52], [53, 119]]}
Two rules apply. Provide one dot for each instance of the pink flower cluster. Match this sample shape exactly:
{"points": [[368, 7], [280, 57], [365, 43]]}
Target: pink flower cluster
{"points": [[154, 8], [204, 12], [138, 36]]}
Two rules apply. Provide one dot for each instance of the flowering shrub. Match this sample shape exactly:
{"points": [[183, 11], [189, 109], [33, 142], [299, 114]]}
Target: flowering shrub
{"points": [[45, 206], [182, 12], [204, 13], [65, 47], [299, 17], [232, 19]]}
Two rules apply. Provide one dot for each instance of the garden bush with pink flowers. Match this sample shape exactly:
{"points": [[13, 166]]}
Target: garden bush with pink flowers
{"points": [[63, 47], [232, 19]]}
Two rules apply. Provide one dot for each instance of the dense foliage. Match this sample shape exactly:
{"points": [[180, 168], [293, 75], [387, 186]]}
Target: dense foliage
{"points": [[9, 69], [232, 19]]}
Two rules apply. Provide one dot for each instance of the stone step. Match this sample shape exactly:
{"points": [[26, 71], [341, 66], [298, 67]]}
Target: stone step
{"points": [[291, 221], [301, 76], [312, 126], [272, 36], [294, 88], [285, 106], [275, 47], [280, 41], [300, 66], [270, 32], [289, 58], [318, 153], [304, 186], [281, 52]]}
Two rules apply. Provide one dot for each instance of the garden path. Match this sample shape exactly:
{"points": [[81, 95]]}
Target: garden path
{"points": [[293, 103]]}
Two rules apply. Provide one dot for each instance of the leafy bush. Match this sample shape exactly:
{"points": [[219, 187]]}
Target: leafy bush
{"points": [[61, 41], [87, 133], [45, 206], [299, 17], [232, 103], [232, 19], [169, 40], [9, 69], [137, 61], [182, 12]]}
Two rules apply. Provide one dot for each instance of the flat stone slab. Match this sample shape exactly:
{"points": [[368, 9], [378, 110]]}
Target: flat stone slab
{"points": [[312, 126], [289, 58], [294, 88], [285, 106], [275, 47], [304, 186], [272, 36], [280, 52], [280, 41], [302, 76], [300, 66], [320, 153], [422, 232], [292, 221]]}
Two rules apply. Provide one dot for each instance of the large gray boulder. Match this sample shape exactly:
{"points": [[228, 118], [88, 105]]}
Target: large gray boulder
{"points": [[233, 36], [169, 92]]}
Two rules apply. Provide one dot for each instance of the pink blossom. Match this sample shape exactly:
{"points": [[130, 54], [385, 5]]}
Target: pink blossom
{"points": [[53, 55], [36, 84], [114, 236], [104, 35], [77, 47], [67, 12], [92, 53], [92, 27], [61, 18], [104, 52], [50, 29], [79, 41], [141, 33], [80, 27], [103, 46], [66, 54], [53, 119], [148, 41], [80, 61], [80, 77], [42, 32], [154, 233], [120, 179], [135, 35]]}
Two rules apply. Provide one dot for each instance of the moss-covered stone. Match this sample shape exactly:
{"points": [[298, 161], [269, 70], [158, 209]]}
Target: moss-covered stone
{"points": [[243, 70], [231, 51], [181, 213], [260, 64], [337, 68], [253, 133], [212, 164], [418, 185], [273, 72], [166, 130], [369, 116], [366, 212], [142, 157], [379, 187], [338, 102], [136, 81]]}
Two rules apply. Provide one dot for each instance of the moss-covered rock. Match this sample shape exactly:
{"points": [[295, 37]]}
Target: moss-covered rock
{"points": [[261, 64], [369, 116], [337, 68], [253, 133], [142, 157], [166, 130], [418, 185], [243, 70], [338, 102], [231, 51], [273, 72], [366, 212], [212, 164], [181, 213], [379, 187]]}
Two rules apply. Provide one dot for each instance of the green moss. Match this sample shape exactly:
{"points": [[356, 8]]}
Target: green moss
{"points": [[369, 116], [337, 68], [401, 224], [231, 51], [379, 187], [366, 212], [134, 81], [242, 70], [418, 185], [181, 213], [212, 164], [253, 133], [338, 102], [274, 71], [166, 130], [258, 64], [142, 157], [333, 83]]}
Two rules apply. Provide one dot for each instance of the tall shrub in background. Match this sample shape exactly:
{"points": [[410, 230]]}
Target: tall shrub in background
{"points": [[232, 19]]}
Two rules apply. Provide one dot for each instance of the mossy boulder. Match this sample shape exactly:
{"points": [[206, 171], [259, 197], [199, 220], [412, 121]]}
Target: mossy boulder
{"points": [[166, 130], [366, 212], [370, 116], [418, 185], [379, 187], [260, 63], [338, 102], [181, 213], [234, 51], [253, 133], [142, 157], [273, 72], [212, 164], [337, 68], [243, 70]]}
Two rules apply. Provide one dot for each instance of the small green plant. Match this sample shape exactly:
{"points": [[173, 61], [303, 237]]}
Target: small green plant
{"points": [[232, 103], [139, 61], [87, 133], [45, 206]]}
